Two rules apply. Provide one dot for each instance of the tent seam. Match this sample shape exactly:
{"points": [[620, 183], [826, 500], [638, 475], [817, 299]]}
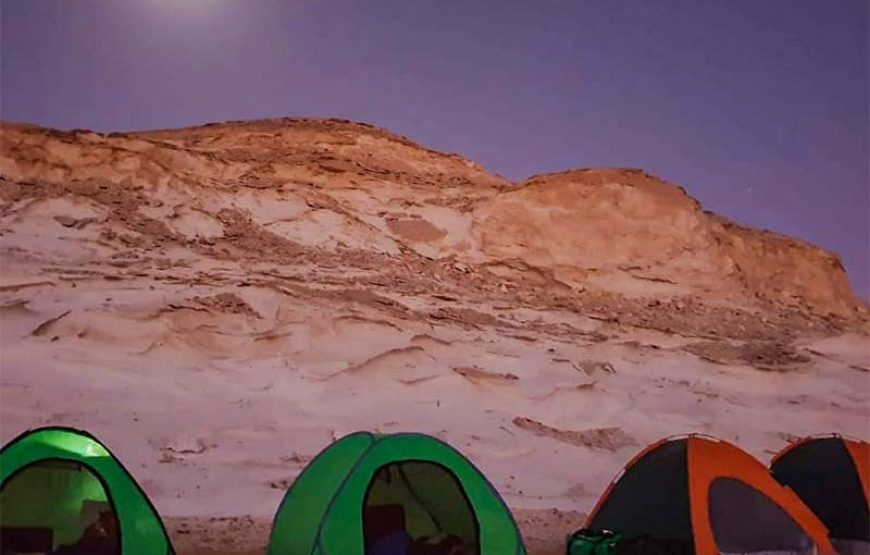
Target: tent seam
{"points": [[418, 500]]}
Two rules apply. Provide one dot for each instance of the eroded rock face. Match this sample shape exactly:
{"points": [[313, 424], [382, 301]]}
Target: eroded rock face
{"points": [[333, 193], [628, 231]]}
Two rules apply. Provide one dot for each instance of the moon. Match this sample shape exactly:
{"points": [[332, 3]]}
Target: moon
{"points": [[189, 7]]}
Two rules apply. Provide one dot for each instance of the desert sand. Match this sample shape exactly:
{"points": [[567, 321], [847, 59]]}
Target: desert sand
{"points": [[218, 304]]}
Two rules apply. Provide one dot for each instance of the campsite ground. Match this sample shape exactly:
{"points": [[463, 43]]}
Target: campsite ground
{"points": [[543, 532]]}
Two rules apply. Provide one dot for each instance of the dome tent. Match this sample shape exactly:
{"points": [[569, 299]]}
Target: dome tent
{"points": [[366, 488], [831, 474], [702, 496], [58, 481]]}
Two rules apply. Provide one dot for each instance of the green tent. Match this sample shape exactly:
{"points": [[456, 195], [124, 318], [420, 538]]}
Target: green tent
{"points": [[60, 487], [368, 488]]}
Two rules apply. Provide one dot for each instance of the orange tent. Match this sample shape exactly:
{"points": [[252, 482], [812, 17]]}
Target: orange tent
{"points": [[831, 474], [707, 497]]}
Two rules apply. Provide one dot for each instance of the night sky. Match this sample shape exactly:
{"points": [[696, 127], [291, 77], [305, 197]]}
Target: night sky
{"points": [[758, 107]]}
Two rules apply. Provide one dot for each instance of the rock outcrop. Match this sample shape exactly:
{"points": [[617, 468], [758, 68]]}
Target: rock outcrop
{"points": [[298, 189], [626, 231]]}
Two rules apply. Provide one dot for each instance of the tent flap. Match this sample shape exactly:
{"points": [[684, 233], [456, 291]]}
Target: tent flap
{"points": [[710, 495], [57, 482], [408, 485]]}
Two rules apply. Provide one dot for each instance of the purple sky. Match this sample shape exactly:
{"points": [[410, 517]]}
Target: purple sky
{"points": [[758, 107]]}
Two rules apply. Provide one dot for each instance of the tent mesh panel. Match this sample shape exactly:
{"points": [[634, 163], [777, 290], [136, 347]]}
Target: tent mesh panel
{"points": [[422, 504], [745, 520], [52, 505]]}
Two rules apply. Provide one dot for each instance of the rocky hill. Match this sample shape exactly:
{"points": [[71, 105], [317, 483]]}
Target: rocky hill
{"points": [[629, 232], [301, 191], [236, 296]]}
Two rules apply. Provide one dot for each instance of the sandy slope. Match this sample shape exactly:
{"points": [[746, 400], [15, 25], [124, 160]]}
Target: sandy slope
{"points": [[219, 304]]}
